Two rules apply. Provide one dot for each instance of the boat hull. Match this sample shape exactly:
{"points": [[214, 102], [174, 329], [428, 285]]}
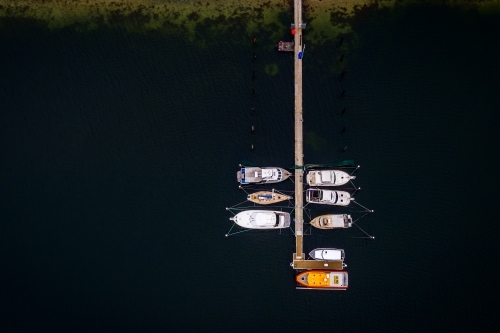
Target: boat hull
{"points": [[327, 254], [267, 197], [257, 175], [332, 221], [328, 178], [328, 197], [262, 219], [323, 279]]}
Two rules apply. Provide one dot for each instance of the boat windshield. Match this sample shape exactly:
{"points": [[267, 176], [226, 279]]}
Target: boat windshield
{"points": [[277, 219], [315, 194], [335, 197], [330, 196]]}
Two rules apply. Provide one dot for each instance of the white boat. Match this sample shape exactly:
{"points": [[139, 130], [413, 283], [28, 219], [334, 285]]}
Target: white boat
{"points": [[332, 221], [256, 175], [262, 219], [327, 254], [328, 178], [328, 197]]}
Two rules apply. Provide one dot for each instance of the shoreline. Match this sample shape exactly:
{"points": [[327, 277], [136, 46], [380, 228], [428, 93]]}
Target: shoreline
{"points": [[328, 18]]}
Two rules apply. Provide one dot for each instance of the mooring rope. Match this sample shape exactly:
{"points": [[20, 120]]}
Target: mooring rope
{"points": [[370, 211], [241, 188], [236, 205], [359, 218], [371, 237], [230, 229], [238, 232], [307, 213]]}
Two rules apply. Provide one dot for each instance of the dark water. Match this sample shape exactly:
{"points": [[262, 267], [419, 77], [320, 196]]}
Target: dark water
{"points": [[118, 158]]}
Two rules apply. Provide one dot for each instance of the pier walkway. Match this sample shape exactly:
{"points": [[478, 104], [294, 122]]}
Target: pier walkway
{"points": [[299, 155], [299, 258]]}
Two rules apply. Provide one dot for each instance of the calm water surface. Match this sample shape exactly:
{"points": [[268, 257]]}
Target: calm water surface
{"points": [[119, 153]]}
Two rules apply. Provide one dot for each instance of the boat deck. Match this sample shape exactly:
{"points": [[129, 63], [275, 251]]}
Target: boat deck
{"points": [[285, 46], [317, 264]]}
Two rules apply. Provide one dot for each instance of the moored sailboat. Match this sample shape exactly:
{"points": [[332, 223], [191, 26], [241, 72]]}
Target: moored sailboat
{"points": [[267, 197]]}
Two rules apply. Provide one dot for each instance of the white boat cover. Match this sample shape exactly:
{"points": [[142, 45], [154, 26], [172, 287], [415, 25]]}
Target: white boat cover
{"points": [[265, 219], [326, 176], [328, 254], [317, 178], [327, 195], [338, 221], [267, 173]]}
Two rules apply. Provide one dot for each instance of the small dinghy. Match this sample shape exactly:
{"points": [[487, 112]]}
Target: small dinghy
{"points": [[332, 221], [267, 197], [327, 254]]}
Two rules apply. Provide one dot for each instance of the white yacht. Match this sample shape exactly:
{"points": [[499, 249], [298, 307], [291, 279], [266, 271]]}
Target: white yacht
{"points": [[262, 219], [328, 197], [256, 175], [328, 178], [327, 254]]}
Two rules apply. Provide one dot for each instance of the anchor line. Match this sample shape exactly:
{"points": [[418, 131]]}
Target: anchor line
{"points": [[371, 211], [238, 232], [243, 190], [371, 237], [236, 205], [366, 213]]}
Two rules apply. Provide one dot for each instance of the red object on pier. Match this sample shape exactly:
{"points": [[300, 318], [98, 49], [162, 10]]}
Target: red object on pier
{"points": [[293, 31]]}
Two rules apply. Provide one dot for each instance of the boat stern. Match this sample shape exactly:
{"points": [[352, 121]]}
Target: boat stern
{"points": [[284, 220], [347, 221], [309, 179], [338, 280], [313, 195]]}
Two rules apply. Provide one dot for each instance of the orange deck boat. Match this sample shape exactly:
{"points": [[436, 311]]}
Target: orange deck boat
{"points": [[323, 279]]}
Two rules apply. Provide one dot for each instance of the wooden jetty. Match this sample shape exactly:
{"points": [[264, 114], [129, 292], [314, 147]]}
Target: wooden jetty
{"points": [[286, 46], [299, 257]]}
